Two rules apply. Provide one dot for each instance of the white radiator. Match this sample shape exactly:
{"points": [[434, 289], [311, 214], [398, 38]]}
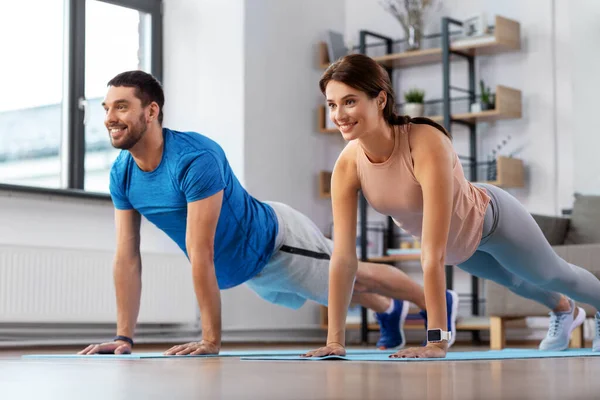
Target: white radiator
{"points": [[56, 286]]}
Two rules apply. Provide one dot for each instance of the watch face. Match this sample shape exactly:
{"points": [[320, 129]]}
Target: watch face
{"points": [[434, 335]]}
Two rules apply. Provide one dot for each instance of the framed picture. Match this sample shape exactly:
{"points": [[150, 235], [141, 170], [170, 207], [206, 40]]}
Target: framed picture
{"points": [[336, 47], [475, 26]]}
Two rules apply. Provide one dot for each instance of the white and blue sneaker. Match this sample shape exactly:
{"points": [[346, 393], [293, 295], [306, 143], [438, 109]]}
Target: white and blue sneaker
{"points": [[596, 342], [451, 314], [452, 311], [391, 326], [561, 326]]}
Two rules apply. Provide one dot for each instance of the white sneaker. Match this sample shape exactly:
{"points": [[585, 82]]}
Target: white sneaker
{"points": [[561, 326], [596, 342]]}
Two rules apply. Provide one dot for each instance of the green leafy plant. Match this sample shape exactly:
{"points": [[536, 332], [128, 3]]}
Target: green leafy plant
{"points": [[486, 93], [414, 96]]}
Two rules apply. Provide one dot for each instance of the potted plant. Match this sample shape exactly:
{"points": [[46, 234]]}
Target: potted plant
{"points": [[414, 106], [486, 101], [487, 98]]}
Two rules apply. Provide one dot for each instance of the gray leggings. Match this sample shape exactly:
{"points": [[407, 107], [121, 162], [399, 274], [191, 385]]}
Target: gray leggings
{"points": [[515, 253]]}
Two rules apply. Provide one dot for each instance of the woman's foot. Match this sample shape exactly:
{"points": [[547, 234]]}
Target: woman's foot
{"points": [[596, 342], [562, 323]]}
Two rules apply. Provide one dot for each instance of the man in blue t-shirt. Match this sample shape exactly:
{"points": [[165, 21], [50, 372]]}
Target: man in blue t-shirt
{"points": [[182, 183]]}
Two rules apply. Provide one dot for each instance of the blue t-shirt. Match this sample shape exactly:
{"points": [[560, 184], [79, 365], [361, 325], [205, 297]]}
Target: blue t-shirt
{"points": [[194, 167]]}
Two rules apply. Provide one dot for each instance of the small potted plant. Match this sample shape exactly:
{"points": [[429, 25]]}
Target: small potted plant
{"points": [[414, 106], [486, 101], [487, 98]]}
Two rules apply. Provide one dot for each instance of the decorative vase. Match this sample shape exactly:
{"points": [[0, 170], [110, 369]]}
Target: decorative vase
{"points": [[410, 14], [414, 109], [414, 37]]}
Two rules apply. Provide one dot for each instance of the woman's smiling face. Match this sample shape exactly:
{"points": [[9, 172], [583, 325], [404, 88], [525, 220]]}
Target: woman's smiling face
{"points": [[353, 111]]}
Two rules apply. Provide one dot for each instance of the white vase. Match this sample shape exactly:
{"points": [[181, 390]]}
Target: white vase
{"points": [[413, 109]]}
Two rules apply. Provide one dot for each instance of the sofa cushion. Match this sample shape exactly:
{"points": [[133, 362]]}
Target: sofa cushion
{"points": [[585, 220], [554, 228]]}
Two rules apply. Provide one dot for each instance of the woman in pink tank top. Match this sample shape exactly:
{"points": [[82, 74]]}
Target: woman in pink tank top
{"points": [[408, 169]]}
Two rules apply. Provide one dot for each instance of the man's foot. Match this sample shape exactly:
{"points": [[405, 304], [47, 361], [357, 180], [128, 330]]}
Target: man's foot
{"points": [[561, 326], [451, 314], [391, 326], [596, 342]]}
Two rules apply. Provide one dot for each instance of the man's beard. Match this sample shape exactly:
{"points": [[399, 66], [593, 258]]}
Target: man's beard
{"points": [[133, 135]]}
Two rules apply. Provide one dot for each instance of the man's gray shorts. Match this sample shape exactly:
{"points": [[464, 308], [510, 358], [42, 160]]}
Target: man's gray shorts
{"points": [[299, 268]]}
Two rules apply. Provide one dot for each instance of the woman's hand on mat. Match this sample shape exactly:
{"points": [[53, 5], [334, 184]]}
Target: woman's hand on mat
{"points": [[429, 351], [194, 349], [332, 349], [117, 347]]}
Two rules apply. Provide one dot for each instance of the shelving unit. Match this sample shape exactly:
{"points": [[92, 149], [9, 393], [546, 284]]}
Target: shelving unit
{"points": [[508, 105]]}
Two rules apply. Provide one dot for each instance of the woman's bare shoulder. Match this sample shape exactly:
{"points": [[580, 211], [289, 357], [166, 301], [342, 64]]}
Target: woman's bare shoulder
{"points": [[345, 166]]}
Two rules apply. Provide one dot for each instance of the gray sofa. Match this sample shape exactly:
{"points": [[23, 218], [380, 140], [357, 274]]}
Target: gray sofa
{"points": [[575, 238]]}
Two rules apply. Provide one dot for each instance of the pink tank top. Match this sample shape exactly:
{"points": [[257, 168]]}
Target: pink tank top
{"points": [[392, 189]]}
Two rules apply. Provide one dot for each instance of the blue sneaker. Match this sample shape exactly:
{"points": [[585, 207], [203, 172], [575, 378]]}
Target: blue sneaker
{"points": [[451, 313], [391, 326]]}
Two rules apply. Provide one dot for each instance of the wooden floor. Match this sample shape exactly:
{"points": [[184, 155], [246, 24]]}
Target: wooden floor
{"points": [[230, 378]]}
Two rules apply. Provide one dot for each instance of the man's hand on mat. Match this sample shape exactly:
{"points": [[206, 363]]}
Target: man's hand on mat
{"points": [[332, 349], [117, 347], [193, 348], [429, 351]]}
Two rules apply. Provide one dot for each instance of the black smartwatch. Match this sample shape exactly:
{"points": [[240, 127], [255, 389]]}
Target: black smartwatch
{"points": [[124, 339], [438, 335]]}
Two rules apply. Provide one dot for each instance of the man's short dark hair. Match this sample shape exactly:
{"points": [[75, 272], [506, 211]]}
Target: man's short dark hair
{"points": [[147, 88]]}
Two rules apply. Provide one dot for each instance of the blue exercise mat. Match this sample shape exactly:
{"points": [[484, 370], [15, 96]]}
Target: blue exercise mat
{"points": [[239, 353], [505, 354]]}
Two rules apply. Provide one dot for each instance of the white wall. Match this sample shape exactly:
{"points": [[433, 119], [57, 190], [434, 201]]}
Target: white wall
{"points": [[239, 72], [204, 72], [283, 150], [585, 64], [565, 130]]}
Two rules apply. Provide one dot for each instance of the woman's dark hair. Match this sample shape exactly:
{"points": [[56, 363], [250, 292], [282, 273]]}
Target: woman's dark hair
{"points": [[147, 88], [365, 74]]}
